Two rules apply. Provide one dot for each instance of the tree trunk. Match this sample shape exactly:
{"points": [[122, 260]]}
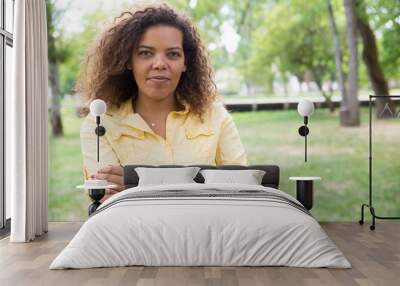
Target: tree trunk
{"points": [[327, 98], [374, 69], [270, 83], [249, 90], [53, 58], [55, 115], [338, 52], [350, 110], [285, 83]]}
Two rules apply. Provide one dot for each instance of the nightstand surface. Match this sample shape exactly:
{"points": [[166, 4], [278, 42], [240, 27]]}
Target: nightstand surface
{"points": [[304, 178]]}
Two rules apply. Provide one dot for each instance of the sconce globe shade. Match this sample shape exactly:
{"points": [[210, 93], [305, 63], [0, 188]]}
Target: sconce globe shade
{"points": [[98, 107], [305, 107]]}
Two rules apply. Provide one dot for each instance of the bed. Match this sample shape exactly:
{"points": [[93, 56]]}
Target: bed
{"points": [[201, 224]]}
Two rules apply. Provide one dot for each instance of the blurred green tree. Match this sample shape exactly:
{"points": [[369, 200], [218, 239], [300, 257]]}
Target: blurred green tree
{"points": [[295, 38], [340, 76], [370, 53], [78, 45], [384, 18], [57, 53]]}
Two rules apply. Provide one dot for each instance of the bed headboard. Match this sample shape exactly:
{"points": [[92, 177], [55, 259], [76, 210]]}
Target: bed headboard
{"points": [[270, 179]]}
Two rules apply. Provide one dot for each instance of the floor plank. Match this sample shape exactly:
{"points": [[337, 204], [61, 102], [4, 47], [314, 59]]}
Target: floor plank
{"points": [[374, 255]]}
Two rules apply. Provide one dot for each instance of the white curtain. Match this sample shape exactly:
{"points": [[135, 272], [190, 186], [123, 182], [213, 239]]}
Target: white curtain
{"points": [[26, 117]]}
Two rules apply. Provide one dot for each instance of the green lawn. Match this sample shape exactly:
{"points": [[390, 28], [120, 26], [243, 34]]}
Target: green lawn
{"points": [[338, 155]]}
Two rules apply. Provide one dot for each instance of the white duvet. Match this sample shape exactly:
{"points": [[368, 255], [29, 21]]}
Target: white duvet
{"points": [[190, 230]]}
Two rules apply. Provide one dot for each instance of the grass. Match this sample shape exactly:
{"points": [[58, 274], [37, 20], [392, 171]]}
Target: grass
{"points": [[66, 203], [338, 155]]}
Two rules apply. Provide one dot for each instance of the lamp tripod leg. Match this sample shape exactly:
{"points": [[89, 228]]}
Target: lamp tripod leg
{"points": [[361, 221], [372, 210]]}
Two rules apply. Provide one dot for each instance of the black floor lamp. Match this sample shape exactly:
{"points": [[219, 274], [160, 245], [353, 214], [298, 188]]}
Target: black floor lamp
{"points": [[369, 205]]}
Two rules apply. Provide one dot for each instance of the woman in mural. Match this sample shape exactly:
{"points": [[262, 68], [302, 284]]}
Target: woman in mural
{"points": [[153, 71]]}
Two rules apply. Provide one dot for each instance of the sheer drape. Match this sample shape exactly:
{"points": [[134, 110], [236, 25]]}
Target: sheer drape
{"points": [[26, 119]]}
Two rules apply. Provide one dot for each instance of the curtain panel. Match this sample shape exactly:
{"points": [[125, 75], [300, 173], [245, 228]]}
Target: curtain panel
{"points": [[27, 117]]}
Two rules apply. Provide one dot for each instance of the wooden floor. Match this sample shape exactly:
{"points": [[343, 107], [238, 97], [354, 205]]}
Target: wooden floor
{"points": [[374, 255]]}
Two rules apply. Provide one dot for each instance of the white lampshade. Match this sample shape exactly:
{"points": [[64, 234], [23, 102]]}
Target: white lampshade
{"points": [[305, 107], [98, 107]]}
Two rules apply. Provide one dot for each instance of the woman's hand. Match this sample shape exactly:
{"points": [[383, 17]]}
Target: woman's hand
{"points": [[115, 176]]}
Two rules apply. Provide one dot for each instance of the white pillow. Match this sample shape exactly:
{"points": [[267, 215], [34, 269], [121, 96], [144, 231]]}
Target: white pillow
{"points": [[248, 177], [164, 176]]}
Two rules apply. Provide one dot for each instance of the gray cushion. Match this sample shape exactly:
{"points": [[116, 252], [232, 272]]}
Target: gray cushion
{"points": [[248, 177], [165, 176]]}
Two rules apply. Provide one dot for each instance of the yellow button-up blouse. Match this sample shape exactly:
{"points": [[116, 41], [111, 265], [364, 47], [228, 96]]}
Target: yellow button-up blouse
{"points": [[129, 139]]}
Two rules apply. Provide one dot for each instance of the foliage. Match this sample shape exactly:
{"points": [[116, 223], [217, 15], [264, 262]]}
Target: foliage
{"points": [[79, 43], [275, 38], [296, 38], [384, 16], [58, 49]]}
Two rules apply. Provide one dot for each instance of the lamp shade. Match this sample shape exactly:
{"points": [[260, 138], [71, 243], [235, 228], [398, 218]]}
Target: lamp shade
{"points": [[305, 107], [98, 107]]}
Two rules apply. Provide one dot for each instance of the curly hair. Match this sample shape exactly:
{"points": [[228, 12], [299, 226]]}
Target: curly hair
{"points": [[105, 74]]}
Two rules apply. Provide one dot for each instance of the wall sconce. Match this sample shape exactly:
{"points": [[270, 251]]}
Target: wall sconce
{"points": [[305, 108]]}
